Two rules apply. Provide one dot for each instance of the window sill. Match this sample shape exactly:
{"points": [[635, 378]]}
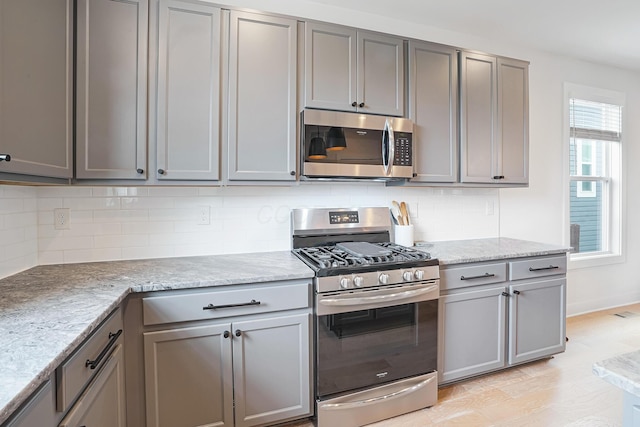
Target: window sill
{"points": [[595, 260]]}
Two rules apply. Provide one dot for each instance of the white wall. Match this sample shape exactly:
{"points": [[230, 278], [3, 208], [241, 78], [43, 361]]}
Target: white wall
{"points": [[116, 223]]}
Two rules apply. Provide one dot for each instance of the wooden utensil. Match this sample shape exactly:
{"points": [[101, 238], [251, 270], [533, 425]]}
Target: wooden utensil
{"points": [[404, 212]]}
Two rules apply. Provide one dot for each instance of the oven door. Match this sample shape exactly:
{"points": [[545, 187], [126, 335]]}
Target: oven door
{"points": [[372, 337]]}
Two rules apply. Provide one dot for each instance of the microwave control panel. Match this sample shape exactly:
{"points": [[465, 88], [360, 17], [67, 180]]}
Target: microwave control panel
{"points": [[403, 150]]}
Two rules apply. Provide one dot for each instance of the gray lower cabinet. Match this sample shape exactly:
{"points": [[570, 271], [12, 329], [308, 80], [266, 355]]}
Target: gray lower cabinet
{"points": [[352, 70], [498, 314], [102, 404], [111, 89], [243, 359], [186, 64], [39, 411], [433, 107], [36, 88], [262, 112], [494, 119]]}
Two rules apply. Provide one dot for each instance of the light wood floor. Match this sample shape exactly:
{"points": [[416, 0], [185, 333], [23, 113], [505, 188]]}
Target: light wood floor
{"points": [[561, 391]]}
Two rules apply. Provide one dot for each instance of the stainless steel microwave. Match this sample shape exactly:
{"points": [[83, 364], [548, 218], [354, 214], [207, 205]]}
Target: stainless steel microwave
{"points": [[343, 145]]}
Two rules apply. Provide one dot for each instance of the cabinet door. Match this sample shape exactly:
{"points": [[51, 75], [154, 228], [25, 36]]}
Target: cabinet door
{"points": [[40, 411], [103, 403], [330, 67], [188, 377], [433, 106], [537, 319], [472, 340], [478, 118], [36, 87], [513, 120], [262, 98], [188, 73], [271, 367], [111, 92], [380, 74]]}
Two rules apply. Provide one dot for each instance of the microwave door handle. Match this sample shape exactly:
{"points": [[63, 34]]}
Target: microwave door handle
{"points": [[388, 147]]}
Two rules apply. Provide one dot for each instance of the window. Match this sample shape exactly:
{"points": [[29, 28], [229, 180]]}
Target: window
{"points": [[595, 173]]}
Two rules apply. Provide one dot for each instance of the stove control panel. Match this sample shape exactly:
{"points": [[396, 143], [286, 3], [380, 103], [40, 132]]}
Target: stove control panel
{"points": [[376, 278]]}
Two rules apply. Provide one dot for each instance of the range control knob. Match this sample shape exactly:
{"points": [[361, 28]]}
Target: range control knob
{"points": [[358, 281], [345, 283], [419, 274], [407, 276], [383, 278]]}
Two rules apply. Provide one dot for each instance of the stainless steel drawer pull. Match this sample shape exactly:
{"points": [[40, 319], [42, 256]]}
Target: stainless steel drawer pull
{"points": [[483, 276], [551, 267], [93, 364], [242, 304]]}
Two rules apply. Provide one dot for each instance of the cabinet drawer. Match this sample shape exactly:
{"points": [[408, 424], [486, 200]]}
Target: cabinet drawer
{"points": [[537, 267], [472, 275], [76, 372], [217, 304]]}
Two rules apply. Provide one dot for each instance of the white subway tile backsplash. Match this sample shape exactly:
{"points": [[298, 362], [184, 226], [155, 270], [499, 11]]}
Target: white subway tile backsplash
{"points": [[110, 223]]}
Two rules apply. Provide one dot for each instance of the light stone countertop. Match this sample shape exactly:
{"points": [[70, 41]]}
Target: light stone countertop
{"points": [[622, 371], [47, 311], [477, 250]]}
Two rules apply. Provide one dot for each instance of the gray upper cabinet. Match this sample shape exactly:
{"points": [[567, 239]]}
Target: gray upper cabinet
{"points": [[36, 87], [350, 70], [262, 113], [188, 63], [494, 118], [433, 107], [111, 94]]}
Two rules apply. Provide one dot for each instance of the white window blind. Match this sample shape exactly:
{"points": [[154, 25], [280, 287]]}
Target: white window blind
{"points": [[595, 120]]}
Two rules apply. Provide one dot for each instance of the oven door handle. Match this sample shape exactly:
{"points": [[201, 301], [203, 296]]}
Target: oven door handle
{"points": [[336, 302], [371, 401]]}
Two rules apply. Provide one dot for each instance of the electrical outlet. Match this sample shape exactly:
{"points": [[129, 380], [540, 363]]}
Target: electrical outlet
{"points": [[61, 218], [204, 215], [488, 209]]}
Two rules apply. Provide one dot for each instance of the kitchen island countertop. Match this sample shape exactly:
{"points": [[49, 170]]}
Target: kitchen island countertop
{"points": [[47, 311]]}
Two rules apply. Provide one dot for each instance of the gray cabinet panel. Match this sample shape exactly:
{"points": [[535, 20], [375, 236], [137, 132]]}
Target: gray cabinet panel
{"points": [[103, 402], [330, 67], [513, 120], [111, 92], [473, 338], [39, 411], [188, 373], [478, 117], [433, 107], [36, 87], [380, 74], [473, 275], [262, 98], [188, 74], [536, 319], [272, 355]]}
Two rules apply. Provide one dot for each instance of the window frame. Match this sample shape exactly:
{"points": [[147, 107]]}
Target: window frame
{"points": [[614, 248]]}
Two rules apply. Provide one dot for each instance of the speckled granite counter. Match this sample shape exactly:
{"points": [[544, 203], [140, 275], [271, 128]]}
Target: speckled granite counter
{"points": [[45, 312], [476, 250], [624, 372]]}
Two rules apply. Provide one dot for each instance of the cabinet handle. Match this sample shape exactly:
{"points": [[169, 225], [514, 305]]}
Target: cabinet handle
{"points": [[551, 267], [485, 275], [361, 105], [226, 334], [161, 171], [242, 304], [516, 292], [5, 157], [354, 104], [238, 332], [140, 171], [505, 294], [93, 364], [498, 177], [292, 173]]}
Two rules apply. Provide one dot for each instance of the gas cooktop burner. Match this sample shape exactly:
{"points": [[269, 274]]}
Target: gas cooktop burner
{"points": [[336, 259]]}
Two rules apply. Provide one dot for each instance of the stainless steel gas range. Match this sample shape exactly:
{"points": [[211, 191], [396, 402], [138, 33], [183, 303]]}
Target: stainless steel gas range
{"points": [[376, 316]]}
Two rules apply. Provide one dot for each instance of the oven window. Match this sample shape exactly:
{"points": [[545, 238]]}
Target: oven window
{"points": [[365, 348]]}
